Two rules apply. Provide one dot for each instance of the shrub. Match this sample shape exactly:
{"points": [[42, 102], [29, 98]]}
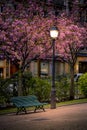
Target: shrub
{"points": [[82, 82], [41, 88], [4, 94], [27, 82], [62, 88]]}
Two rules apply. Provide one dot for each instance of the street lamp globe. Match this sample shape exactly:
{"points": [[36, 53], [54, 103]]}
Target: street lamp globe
{"points": [[54, 32]]}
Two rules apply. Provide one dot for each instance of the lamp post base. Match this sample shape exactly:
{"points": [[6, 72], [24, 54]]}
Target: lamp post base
{"points": [[53, 99]]}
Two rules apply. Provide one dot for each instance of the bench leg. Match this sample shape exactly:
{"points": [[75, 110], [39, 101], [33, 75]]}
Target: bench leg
{"points": [[24, 109], [39, 107], [19, 109]]}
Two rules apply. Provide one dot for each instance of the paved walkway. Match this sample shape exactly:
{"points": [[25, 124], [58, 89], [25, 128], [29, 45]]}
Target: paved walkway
{"points": [[73, 117]]}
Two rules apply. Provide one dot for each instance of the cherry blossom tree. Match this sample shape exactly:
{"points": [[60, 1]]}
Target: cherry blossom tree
{"points": [[17, 44], [72, 38], [21, 36]]}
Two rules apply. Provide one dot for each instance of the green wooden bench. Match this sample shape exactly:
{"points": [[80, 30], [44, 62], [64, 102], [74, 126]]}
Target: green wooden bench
{"points": [[22, 102]]}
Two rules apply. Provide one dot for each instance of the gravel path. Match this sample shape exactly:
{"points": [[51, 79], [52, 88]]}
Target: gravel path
{"points": [[73, 117]]}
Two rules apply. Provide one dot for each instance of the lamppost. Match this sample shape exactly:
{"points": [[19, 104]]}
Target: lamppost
{"points": [[53, 34]]}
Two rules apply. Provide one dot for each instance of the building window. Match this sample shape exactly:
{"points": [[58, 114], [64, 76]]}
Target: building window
{"points": [[1, 72], [1, 9], [82, 67], [82, 1], [44, 69]]}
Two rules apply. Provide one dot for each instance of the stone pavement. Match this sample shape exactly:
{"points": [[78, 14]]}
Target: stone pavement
{"points": [[72, 117]]}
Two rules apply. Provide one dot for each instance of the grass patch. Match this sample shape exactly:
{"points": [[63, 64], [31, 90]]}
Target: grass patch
{"points": [[72, 102], [7, 110], [12, 110]]}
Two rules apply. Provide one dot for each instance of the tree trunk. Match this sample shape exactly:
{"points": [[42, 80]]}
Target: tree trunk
{"points": [[39, 68], [20, 90], [72, 89]]}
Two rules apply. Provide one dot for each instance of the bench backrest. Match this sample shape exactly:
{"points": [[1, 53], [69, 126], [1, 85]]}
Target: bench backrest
{"points": [[25, 100]]}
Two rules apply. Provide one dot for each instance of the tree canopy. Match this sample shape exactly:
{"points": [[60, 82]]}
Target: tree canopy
{"points": [[24, 34]]}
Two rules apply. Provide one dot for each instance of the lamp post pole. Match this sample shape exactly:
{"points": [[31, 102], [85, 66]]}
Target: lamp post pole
{"points": [[54, 34], [53, 90]]}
